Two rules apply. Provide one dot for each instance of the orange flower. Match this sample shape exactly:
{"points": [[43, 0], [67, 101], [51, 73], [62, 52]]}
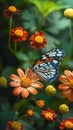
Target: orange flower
{"points": [[40, 103], [66, 124], [38, 40], [10, 11], [49, 115], [18, 34], [14, 125], [67, 85], [25, 83], [30, 112]]}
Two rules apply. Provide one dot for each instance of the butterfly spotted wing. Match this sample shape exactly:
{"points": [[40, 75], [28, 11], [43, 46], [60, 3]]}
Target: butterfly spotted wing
{"points": [[47, 67]]}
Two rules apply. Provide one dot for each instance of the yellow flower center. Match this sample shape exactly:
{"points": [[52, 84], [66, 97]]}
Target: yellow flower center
{"points": [[48, 116], [16, 125], [12, 9], [19, 33], [69, 125], [39, 39], [25, 82], [71, 83]]}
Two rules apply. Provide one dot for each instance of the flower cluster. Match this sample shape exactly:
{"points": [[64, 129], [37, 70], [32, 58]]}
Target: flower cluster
{"points": [[28, 82]]}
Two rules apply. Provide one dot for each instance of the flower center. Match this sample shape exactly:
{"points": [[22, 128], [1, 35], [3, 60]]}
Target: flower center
{"points": [[49, 116], [71, 83], [19, 33], [16, 125], [69, 125], [12, 9], [25, 82], [39, 39]]}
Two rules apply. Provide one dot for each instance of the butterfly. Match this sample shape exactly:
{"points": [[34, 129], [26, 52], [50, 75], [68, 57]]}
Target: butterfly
{"points": [[47, 67]]}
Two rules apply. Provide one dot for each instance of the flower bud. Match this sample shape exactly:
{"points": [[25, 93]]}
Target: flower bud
{"points": [[30, 112], [50, 90], [3, 81], [68, 13], [40, 103], [63, 108]]}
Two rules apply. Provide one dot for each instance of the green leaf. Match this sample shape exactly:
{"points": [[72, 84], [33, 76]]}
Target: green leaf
{"points": [[28, 126], [51, 42], [27, 59], [57, 23], [30, 19], [69, 3], [7, 71], [22, 56], [20, 105], [69, 64], [6, 114], [46, 7]]}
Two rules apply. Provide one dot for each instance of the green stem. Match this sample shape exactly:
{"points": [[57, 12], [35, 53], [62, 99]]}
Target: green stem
{"points": [[71, 35], [15, 47], [9, 40], [66, 101], [41, 24], [23, 116]]}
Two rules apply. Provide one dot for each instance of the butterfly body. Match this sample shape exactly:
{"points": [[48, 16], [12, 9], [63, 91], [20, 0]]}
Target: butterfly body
{"points": [[47, 67]]}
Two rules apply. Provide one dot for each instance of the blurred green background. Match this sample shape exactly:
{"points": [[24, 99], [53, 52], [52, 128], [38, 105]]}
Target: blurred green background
{"points": [[36, 15]]}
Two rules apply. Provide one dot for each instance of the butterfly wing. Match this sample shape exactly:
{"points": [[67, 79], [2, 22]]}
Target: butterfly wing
{"points": [[47, 67]]}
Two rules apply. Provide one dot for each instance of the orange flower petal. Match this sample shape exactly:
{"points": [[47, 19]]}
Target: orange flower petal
{"points": [[63, 86], [37, 85], [28, 72], [17, 90], [25, 93], [32, 75], [66, 93], [14, 84], [63, 79], [71, 97], [32, 90], [69, 74], [14, 77], [35, 77], [21, 73]]}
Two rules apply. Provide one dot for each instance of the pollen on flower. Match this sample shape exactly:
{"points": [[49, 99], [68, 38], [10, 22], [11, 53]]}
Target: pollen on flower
{"points": [[12, 9], [19, 33], [39, 39], [25, 82], [69, 125]]}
